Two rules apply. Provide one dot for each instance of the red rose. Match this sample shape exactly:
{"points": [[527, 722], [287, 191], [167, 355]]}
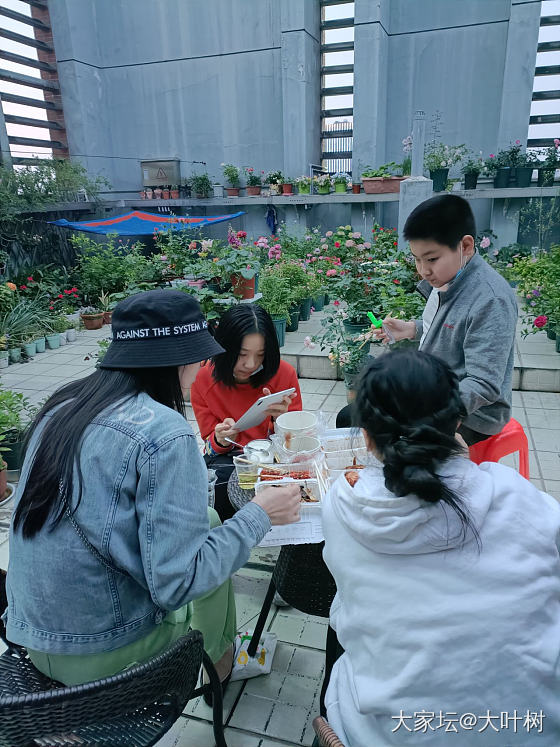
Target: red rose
{"points": [[396, 282], [51, 307], [540, 321], [23, 287], [60, 295], [395, 243], [337, 244], [74, 290], [30, 278]]}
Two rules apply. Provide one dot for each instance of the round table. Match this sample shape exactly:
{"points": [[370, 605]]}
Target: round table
{"points": [[238, 497]]}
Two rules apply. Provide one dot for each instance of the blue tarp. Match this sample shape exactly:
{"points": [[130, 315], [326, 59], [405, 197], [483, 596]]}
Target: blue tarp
{"points": [[138, 223]]}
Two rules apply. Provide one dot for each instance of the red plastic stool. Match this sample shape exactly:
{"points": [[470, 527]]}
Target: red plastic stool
{"points": [[510, 439]]}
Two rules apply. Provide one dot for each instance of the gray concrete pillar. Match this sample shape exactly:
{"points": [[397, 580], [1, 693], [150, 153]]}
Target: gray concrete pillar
{"points": [[413, 191], [371, 54], [504, 220], [418, 142], [301, 85], [5, 155], [519, 71]]}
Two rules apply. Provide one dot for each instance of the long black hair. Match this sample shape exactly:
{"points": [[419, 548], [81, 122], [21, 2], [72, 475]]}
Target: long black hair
{"points": [[241, 320], [48, 489], [409, 405]]}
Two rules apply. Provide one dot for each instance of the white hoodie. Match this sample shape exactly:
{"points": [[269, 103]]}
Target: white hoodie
{"points": [[430, 625]]}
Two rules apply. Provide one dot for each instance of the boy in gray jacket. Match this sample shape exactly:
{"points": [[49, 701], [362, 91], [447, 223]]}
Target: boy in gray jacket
{"points": [[470, 314]]}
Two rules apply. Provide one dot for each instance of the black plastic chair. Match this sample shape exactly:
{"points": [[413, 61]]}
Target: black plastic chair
{"points": [[134, 708]]}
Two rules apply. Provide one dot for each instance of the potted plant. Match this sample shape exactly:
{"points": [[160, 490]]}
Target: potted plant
{"points": [[380, 180], [92, 317], [4, 490], [322, 183], [471, 170], [165, 193], [201, 186], [149, 192], [59, 325], [349, 352], [238, 264], [549, 164], [340, 183], [287, 186], [525, 163], [174, 192], [356, 188], [106, 305], [277, 300], [275, 179], [157, 193], [231, 174], [29, 346], [4, 356], [40, 341], [15, 414], [438, 159], [303, 184], [14, 348], [71, 332], [254, 181]]}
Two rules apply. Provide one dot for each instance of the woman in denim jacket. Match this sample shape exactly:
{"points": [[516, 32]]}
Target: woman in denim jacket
{"points": [[112, 541]]}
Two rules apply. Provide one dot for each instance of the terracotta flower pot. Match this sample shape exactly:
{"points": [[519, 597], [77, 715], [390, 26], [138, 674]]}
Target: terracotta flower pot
{"points": [[287, 189], [376, 185], [157, 194], [92, 321], [232, 191], [107, 316], [356, 189], [243, 287], [149, 194], [253, 191], [174, 194], [165, 194]]}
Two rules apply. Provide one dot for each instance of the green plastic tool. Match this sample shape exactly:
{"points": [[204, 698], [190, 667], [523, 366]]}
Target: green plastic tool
{"points": [[376, 322]]}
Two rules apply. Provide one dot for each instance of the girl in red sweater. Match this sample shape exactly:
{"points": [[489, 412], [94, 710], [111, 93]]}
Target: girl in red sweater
{"points": [[225, 388]]}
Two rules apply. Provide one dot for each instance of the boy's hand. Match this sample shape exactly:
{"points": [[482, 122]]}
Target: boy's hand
{"points": [[279, 408], [400, 330]]}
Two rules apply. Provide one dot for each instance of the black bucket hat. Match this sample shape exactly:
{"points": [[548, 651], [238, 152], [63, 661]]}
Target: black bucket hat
{"points": [[159, 328]]}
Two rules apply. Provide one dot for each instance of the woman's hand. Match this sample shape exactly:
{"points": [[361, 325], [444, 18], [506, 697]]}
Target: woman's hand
{"points": [[400, 330], [225, 430], [279, 408], [281, 503]]}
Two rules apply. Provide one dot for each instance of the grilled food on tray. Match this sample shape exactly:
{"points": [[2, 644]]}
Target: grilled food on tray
{"points": [[277, 474]]}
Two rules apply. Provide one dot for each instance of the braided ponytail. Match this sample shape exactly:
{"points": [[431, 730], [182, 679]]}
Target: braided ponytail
{"points": [[399, 405]]}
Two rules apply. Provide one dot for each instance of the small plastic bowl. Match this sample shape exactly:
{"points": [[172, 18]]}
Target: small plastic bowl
{"points": [[296, 423]]}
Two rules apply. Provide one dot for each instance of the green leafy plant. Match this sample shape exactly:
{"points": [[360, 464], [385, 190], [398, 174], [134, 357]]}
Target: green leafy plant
{"points": [[473, 164], [381, 171], [277, 296], [201, 185], [254, 179], [340, 179], [551, 155], [15, 414], [231, 174], [275, 177], [441, 156]]}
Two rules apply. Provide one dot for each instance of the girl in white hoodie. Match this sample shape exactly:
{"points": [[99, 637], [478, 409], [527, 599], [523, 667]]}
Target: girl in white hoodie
{"points": [[448, 578]]}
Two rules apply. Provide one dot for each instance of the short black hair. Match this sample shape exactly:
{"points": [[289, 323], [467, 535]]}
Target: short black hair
{"points": [[444, 218], [235, 324]]}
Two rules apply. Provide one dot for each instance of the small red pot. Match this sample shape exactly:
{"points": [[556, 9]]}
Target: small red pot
{"points": [[287, 189], [243, 287], [174, 194], [253, 191], [232, 191], [107, 316], [165, 194], [356, 189]]}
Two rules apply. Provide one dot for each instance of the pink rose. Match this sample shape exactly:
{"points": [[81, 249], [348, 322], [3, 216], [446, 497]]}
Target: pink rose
{"points": [[485, 243], [329, 233], [367, 245], [540, 321], [356, 235]]}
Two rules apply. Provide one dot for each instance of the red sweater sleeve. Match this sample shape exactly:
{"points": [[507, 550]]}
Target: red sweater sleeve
{"points": [[206, 419]]}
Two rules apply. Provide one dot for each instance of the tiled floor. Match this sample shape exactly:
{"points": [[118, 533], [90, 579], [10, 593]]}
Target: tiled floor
{"points": [[278, 709]]}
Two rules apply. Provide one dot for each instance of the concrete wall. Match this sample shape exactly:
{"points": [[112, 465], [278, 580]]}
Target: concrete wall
{"points": [[239, 81], [199, 81]]}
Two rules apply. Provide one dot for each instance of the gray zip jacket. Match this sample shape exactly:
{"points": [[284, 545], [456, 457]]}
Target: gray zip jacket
{"points": [[473, 331]]}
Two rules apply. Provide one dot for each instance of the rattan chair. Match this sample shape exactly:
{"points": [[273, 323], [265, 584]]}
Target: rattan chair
{"points": [[134, 708], [325, 735], [303, 580]]}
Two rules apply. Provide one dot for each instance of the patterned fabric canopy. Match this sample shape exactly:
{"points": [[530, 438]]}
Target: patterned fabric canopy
{"points": [[138, 223]]}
